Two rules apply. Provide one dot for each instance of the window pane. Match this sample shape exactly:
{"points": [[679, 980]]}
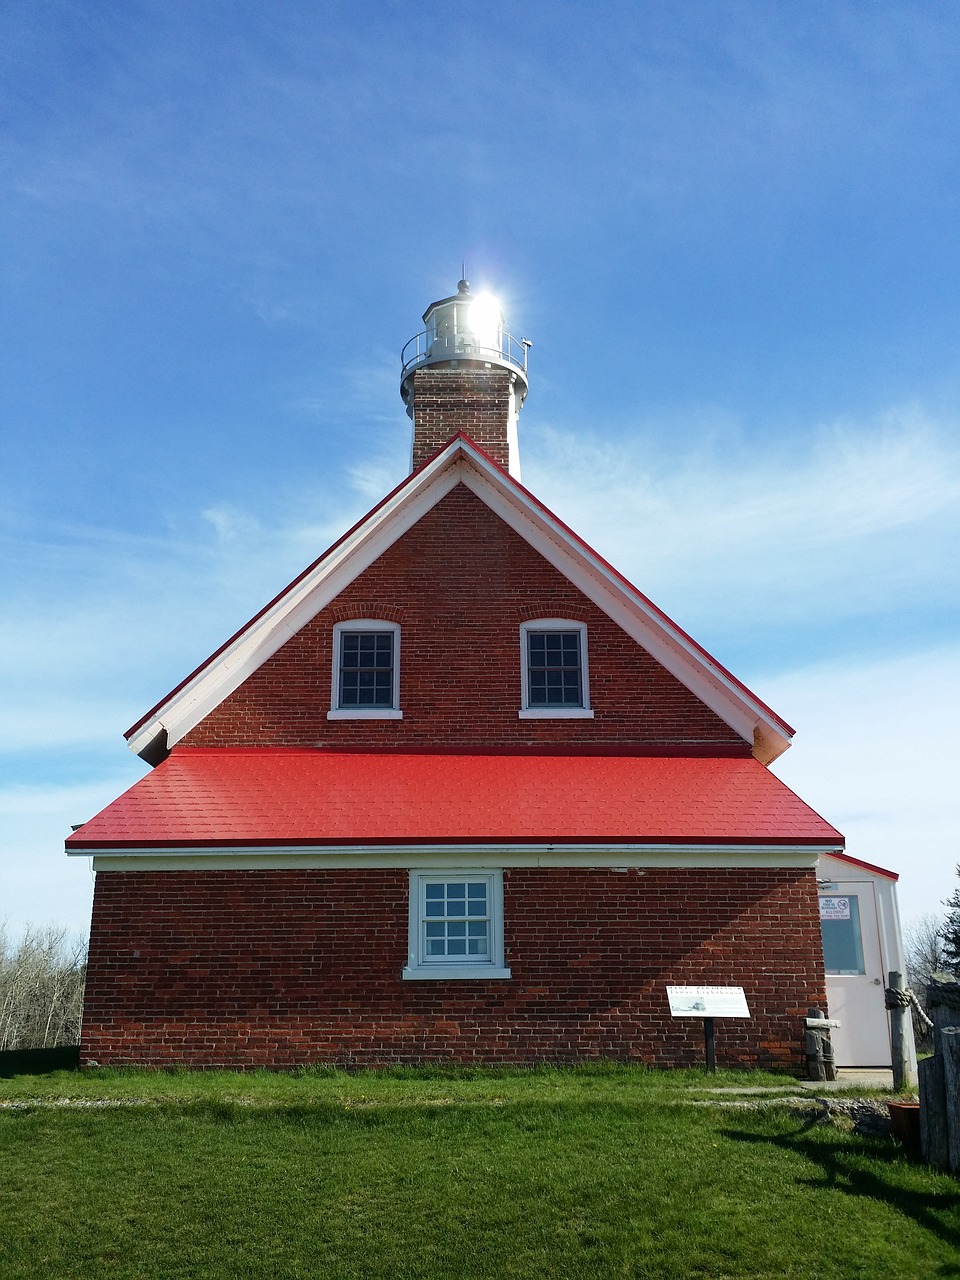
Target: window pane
{"points": [[366, 669], [840, 926], [455, 919], [554, 677]]}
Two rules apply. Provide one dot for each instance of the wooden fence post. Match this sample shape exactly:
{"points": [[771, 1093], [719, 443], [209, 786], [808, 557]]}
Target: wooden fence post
{"points": [[819, 1050], [940, 1077], [943, 1002], [950, 1042], [901, 1032], [933, 1116]]}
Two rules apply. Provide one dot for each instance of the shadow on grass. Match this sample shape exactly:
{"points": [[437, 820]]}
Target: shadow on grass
{"points": [[38, 1062], [859, 1171]]}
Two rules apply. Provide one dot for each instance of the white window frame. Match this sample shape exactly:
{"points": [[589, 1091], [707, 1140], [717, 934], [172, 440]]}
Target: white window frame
{"points": [[584, 712], [419, 967], [337, 712]]}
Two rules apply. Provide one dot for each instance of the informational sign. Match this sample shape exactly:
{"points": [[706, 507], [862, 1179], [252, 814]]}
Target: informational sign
{"points": [[708, 1002], [834, 908]]}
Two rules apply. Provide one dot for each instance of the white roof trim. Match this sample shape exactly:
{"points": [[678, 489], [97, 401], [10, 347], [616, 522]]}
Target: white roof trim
{"points": [[852, 868], [606, 856], [460, 462], [296, 607], [662, 640]]}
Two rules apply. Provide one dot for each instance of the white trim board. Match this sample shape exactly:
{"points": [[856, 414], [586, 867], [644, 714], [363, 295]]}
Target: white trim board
{"points": [[399, 857]]}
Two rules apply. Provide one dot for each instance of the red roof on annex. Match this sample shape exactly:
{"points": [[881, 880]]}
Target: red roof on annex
{"points": [[215, 798]]}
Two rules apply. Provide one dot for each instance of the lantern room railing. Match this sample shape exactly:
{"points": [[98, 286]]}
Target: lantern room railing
{"points": [[429, 348]]}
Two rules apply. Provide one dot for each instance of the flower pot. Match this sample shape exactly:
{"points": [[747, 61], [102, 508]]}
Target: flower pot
{"points": [[905, 1121]]}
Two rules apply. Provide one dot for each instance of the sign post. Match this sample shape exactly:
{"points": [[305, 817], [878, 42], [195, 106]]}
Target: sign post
{"points": [[708, 1003], [708, 1045]]}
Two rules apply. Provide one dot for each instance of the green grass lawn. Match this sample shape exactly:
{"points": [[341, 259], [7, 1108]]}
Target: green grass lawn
{"points": [[580, 1173]]}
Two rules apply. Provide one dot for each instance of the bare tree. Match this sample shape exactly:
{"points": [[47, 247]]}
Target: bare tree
{"points": [[41, 988], [923, 949], [924, 955]]}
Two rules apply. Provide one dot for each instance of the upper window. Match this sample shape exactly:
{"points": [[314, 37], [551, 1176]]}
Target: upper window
{"points": [[366, 670], [553, 669], [456, 925]]}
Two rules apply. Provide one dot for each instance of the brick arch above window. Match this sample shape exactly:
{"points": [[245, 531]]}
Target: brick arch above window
{"points": [[578, 613], [361, 609]]}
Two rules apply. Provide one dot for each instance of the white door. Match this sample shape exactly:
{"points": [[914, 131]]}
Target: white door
{"points": [[855, 977]]}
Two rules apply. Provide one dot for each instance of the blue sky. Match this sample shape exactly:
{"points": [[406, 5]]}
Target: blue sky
{"points": [[730, 230]]}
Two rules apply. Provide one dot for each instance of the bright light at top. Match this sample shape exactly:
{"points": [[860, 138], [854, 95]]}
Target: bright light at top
{"points": [[485, 320]]}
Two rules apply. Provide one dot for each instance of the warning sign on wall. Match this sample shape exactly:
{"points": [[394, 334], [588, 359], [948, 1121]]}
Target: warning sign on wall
{"points": [[834, 908]]}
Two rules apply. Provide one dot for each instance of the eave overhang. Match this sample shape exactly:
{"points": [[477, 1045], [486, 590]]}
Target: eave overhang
{"points": [[607, 855]]}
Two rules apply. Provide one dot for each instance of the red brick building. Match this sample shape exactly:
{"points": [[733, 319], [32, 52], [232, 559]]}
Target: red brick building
{"points": [[460, 792]]}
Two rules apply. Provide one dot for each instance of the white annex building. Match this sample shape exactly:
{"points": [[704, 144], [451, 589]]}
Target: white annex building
{"points": [[860, 921]]}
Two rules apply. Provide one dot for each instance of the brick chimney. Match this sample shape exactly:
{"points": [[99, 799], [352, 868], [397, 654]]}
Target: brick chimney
{"points": [[465, 373]]}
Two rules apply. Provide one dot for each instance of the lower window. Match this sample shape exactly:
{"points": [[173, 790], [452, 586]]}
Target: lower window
{"points": [[456, 925]]}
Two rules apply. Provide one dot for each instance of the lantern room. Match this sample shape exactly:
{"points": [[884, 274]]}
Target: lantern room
{"points": [[465, 330]]}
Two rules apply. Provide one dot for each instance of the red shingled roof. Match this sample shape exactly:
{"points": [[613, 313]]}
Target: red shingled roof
{"points": [[209, 798]]}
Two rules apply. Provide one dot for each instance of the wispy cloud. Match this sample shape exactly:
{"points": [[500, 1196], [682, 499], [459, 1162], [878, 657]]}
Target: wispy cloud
{"points": [[104, 624], [863, 519], [876, 752], [863, 523], [40, 884], [366, 392]]}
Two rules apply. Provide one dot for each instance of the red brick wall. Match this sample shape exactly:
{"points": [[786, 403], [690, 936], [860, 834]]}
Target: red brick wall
{"points": [[281, 968], [460, 582], [475, 401]]}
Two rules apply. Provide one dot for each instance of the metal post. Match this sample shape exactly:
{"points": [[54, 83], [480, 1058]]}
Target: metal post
{"points": [[708, 1045]]}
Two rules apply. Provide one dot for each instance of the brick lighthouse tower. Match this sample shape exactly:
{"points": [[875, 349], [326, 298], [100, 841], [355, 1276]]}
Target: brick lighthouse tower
{"points": [[464, 372]]}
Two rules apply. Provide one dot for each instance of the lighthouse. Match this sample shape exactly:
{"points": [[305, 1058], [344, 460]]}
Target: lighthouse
{"points": [[465, 372]]}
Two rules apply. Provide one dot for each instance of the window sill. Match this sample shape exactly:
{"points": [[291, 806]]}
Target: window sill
{"points": [[445, 972], [375, 713], [556, 713]]}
